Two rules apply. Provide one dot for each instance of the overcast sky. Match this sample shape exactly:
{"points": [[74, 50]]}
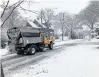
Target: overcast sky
{"points": [[71, 6]]}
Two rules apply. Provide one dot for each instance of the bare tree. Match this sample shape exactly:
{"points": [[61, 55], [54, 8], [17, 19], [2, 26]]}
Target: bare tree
{"points": [[41, 16], [10, 17], [27, 10], [45, 16], [71, 24], [90, 14], [14, 7], [67, 22], [59, 20], [4, 8]]}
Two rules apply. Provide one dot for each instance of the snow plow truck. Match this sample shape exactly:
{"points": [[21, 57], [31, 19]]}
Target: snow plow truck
{"points": [[30, 40]]}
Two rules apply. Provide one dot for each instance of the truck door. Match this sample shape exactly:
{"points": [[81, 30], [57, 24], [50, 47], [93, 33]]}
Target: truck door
{"points": [[46, 39]]}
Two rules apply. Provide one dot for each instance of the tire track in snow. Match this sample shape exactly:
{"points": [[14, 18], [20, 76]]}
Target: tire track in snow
{"points": [[29, 61], [22, 61]]}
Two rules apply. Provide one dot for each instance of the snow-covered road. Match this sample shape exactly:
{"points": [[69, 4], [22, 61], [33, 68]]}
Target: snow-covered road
{"points": [[13, 62], [73, 61]]}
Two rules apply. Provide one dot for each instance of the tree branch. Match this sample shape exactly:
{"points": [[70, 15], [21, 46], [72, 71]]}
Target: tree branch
{"points": [[13, 4], [28, 10], [5, 8], [11, 12]]}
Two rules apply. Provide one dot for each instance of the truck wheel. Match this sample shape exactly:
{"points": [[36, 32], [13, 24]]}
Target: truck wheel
{"points": [[50, 46], [32, 49]]}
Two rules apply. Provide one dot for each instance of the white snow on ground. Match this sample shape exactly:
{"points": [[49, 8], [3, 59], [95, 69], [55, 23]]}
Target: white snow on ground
{"points": [[4, 51], [57, 43], [75, 61], [65, 38], [94, 40]]}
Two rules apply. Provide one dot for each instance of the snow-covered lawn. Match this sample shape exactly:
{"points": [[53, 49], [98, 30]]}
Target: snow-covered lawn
{"points": [[57, 43], [75, 61], [94, 40]]}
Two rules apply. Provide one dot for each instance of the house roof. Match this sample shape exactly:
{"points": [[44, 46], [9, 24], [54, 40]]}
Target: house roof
{"points": [[36, 24], [31, 24], [40, 24]]}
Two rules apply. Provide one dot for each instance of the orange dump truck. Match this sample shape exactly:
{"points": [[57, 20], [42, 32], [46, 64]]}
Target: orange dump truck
{"points": [[30, 40]]}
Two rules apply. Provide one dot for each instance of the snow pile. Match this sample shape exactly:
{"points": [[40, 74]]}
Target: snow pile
{"points": [[91, 40], [4, 51], [94, 40]]}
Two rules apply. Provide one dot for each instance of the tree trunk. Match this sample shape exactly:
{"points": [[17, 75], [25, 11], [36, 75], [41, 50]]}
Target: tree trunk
{"points": [[92, 36], [91, 26], [48, 29], [62, 34], [71, 34]]}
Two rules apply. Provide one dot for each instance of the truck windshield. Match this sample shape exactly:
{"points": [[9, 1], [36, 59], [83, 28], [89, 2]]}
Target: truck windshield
{"points": [[45, 35]]}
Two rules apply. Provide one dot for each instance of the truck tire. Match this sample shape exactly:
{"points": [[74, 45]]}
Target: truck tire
{"points": [[50, 46], [32, 49]]}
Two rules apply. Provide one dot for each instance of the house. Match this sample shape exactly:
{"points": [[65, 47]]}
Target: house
{"points": [[36, 24]]}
